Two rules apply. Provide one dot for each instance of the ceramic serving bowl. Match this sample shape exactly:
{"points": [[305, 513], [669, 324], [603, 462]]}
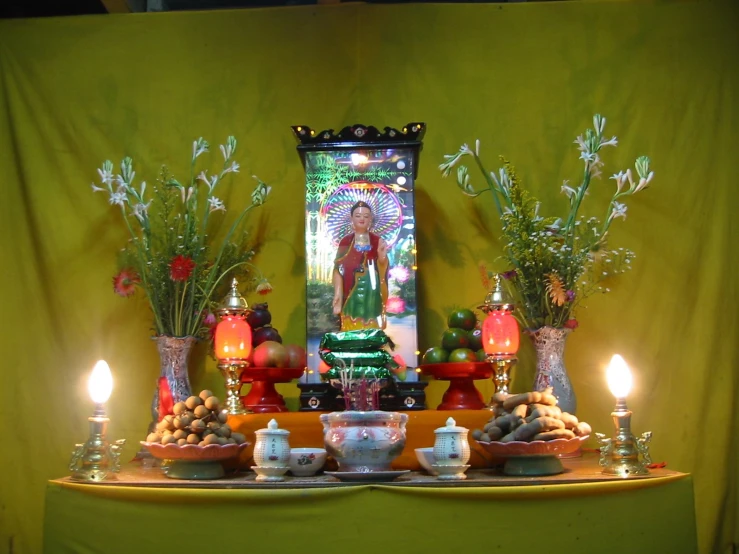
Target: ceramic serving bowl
{"points": [[425, 457], [305, 462], [533, 458]]}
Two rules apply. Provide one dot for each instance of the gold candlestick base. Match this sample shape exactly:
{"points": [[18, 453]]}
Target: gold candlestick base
{"points": [[96, 458], [620, 455], [231, 372], [502, 372]]}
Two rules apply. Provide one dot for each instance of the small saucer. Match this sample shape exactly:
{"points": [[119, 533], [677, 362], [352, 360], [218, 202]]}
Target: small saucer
{"points": [[450, 473], [372, 476], [270, 474]]}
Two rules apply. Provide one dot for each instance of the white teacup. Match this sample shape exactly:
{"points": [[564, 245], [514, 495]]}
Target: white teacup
{"points": [[426, 459], [305, 462]]}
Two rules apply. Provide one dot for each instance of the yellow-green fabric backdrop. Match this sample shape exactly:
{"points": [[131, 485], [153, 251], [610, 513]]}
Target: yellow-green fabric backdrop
{"points": [[524, 78]]}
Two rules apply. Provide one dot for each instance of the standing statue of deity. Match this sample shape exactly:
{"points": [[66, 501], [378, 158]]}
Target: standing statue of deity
{"points": [[360, 274]]}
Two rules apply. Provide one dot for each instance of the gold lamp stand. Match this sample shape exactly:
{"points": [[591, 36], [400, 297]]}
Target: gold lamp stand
{"points": [[231, 372], [93, 460], [621, 454]]}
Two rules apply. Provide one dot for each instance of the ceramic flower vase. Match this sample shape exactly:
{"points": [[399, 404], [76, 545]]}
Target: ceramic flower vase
{"points": [[173, 384], [549, 343]]}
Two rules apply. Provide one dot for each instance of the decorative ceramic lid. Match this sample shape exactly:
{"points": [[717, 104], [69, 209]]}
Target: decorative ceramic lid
{"points": [[451, 427], [272, 429]]}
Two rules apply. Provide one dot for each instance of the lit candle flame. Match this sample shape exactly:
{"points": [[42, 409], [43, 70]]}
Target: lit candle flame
{"points": [[100, 383], [619, 377]]}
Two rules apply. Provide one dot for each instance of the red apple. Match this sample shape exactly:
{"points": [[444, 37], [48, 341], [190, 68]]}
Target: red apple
{"points": [[296, 355], [270, 354]]}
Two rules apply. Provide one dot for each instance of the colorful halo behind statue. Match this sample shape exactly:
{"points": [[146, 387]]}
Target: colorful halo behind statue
{"points": [[387, 213]]}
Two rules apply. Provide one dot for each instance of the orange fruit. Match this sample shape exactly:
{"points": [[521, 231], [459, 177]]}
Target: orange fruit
{"points": [[462, 318], [454, 338], [462, 355], [475, 337], [435, 355]]}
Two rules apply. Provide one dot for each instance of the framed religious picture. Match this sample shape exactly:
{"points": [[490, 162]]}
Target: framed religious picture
{"points": [[360, 235]]}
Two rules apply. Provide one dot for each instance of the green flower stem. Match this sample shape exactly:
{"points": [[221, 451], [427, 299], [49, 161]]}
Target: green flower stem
{"points": [[578, 200], [491, 184], [143, 261], [209, 284]]}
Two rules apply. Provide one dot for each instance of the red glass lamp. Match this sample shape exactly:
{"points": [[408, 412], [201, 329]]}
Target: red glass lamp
{"points": [[500, 335], [233, 346]]}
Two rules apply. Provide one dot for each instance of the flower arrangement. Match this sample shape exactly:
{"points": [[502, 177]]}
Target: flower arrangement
{"points": [[556, 263], [171, 254]]}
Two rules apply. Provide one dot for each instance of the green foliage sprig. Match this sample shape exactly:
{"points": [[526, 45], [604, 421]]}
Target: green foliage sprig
{"points": [[555, 263]]}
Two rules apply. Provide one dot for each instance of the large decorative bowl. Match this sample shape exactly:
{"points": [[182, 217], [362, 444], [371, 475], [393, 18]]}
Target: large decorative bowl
{"points": [[364, 441], [533, 458], [192, 461]]}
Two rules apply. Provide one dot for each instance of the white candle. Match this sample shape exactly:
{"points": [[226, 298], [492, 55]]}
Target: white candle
{"points": [[100, 383], [619, 377]]}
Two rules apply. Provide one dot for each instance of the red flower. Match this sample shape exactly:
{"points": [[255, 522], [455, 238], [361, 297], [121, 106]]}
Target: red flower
{"points": [[180, 268], [124, 284], [264, 287], [571, 324]]}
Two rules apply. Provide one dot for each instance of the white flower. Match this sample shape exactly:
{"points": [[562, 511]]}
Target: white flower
{"points": [[96, 189], [644, 182], [581, 142], [228, 150], [117, 198], [620, 179], [234, 167], [599, 123], [629, 177], [198, 147], [106, 175], [202, 176], [216, 204], [587, 156], [568, 190], [611, 142], [619, 210], [140, 210]]}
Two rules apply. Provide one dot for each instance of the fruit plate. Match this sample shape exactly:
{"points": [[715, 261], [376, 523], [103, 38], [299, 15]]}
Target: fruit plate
{"points": [[194, 452], [533, 458], [274, 374], [369, 476], [458, 370], [192, 461]]}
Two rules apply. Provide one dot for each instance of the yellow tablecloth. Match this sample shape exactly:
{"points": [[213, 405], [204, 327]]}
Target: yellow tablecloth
{"points": [[645, 516]]}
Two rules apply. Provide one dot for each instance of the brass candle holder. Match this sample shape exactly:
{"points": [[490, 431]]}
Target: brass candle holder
{"points": [[231, 372], [96, 458], [233, 346], [620, 455]]}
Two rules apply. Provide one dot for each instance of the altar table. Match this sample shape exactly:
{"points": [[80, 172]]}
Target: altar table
{"points": [[489, 513]]}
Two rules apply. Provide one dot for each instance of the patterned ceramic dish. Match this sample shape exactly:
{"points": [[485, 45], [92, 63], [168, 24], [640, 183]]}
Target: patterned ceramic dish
{"points": [[192, 461], [535, 457]]}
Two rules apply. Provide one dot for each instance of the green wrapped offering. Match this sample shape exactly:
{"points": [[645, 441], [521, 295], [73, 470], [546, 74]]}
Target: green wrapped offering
{"points": [[379, 358], [362, 340]]}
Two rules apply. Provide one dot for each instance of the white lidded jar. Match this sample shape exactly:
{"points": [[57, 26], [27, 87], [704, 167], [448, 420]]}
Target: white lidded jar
{"points": [[272, 448], [451, 447]]}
